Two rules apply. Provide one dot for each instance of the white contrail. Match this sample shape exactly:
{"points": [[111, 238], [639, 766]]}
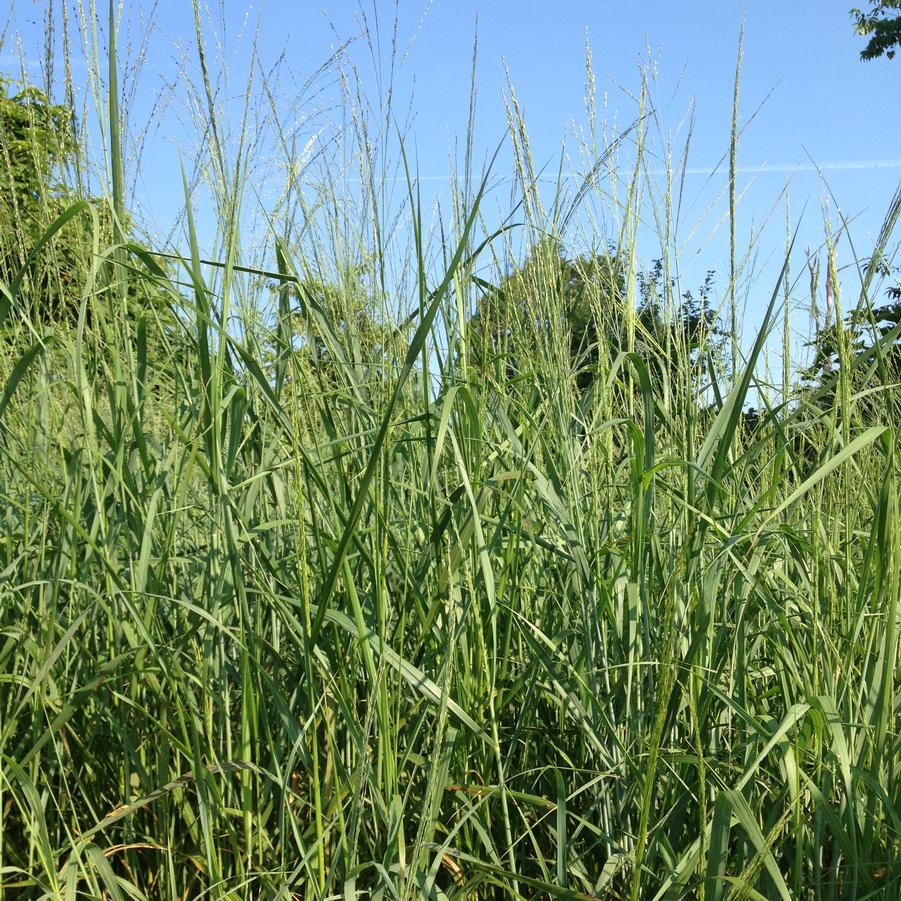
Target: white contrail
{"points": [[784, 168], [758, 169]]}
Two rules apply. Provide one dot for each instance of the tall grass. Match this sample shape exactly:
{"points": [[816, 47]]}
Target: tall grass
{"points": [[321, 604]]}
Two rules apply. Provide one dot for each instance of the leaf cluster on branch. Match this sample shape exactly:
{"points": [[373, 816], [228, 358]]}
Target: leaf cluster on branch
{"points": [[882, 24]]}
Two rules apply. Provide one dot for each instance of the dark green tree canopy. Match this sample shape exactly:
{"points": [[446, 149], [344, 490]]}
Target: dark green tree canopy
{"points": [[882, 24], [582, 302]]}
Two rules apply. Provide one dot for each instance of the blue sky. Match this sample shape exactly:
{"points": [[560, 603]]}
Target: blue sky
{"points": [[821, 106]]}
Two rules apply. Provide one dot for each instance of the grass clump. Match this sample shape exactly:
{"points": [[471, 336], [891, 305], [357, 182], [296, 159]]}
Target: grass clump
{"points": [[437, 581]]}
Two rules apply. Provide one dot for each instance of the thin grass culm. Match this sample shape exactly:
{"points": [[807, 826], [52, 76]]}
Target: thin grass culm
{"points": [[357, 548]]}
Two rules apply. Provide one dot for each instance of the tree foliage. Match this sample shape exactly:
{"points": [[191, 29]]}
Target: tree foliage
{"points": [[37, 145], [580, 306], [882, 24], [36, 141], [866, 346], [547, 300]]}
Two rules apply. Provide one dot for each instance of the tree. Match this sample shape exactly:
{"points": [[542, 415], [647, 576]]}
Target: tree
{"points": [[37, 144], [689, 331], [883, 25], [549, 296], [331, 331], [36, 140], [581, 302], [860, 331]]}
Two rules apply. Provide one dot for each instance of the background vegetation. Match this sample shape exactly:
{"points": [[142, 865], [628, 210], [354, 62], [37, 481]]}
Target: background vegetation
{"points": [[458, 579]]}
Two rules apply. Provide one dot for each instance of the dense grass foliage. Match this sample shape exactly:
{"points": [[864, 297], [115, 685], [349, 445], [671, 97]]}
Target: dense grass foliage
{"points": [[333, 603]]}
